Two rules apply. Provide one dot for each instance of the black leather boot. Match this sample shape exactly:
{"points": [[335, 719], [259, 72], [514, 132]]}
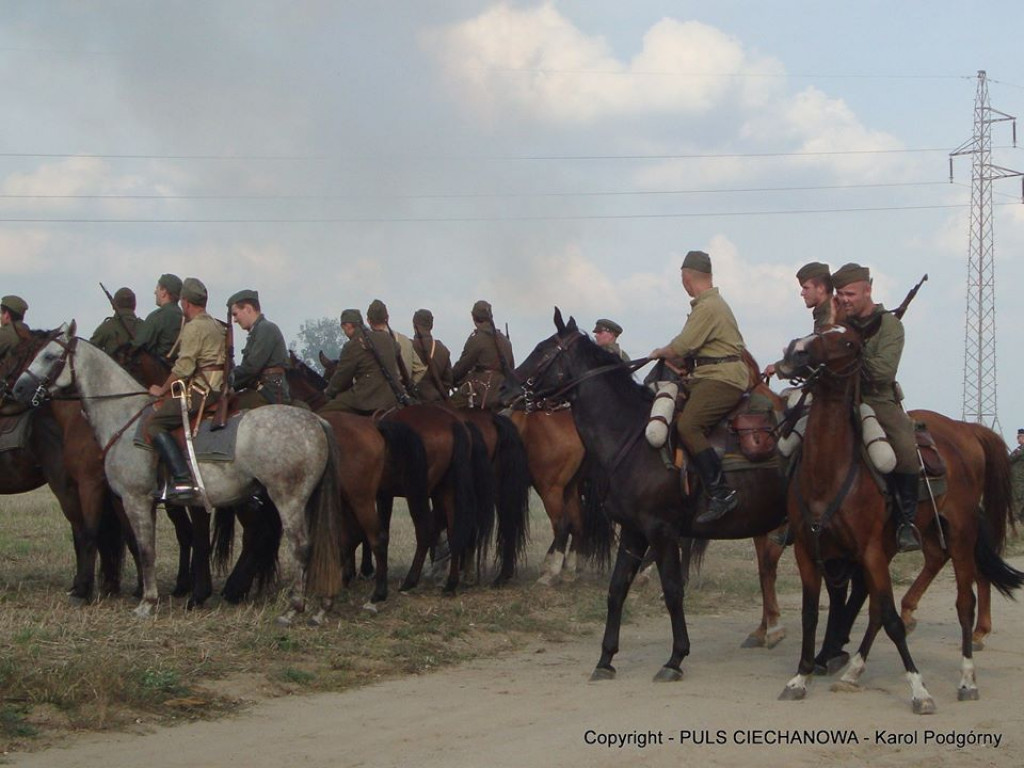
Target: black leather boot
{"points": [[721, 498], [905, 484], [181, 488]]}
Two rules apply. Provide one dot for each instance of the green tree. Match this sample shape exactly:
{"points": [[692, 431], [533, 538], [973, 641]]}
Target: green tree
{"points": [[316, 336]]}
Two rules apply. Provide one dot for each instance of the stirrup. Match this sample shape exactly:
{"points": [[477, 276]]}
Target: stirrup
{"points": [[181, 492], [908, 538]]}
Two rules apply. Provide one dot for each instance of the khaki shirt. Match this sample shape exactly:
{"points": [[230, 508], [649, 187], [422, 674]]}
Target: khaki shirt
{"points": [[413, 365], [201, 351], [711, 331], [116, 331], [881, 356], [438, 357]]}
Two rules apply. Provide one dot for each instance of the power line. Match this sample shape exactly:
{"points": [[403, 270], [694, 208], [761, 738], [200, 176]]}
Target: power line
{"points": [[481, 219], [472, 195]]}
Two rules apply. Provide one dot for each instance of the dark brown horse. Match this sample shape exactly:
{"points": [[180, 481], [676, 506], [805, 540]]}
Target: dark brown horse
{"points": [[845, 534], [62, 453], [644, 495]]}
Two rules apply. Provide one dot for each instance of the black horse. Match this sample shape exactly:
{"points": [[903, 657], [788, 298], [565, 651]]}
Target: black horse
{"points": [[644, 495]]}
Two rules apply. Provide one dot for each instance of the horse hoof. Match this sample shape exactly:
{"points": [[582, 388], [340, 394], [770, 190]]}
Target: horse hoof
{"points": [[603, 673], [753, 640], [978, 644], [774, 638], [910, 624], [793, 694], [77, 602], [924, 706], [843, 686], [283, 621], [546, 580], [144, 611], [371, 607], [668, 675], [832, 665], [967, 694]]}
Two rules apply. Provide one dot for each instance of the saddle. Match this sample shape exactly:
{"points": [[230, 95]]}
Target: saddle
{"points": [[209, 444], [14, 430], [931, 460]]}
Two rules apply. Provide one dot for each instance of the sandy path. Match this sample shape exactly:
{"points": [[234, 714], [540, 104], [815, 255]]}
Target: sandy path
{"points": [[536, 707]]}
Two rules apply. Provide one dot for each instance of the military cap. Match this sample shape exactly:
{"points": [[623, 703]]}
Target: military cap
{"points": [[246, 294], [850, 273], [15, 303], [377, 312], [193, 291], [353, 316], [170, 283], [607, 325], [698, 261], [124, 298], [1020, 431], [814, 269], [423, 318], [481, 311]]}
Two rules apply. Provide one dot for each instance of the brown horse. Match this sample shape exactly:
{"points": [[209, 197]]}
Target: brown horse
{"points": [[844, 532], [62, 453]]}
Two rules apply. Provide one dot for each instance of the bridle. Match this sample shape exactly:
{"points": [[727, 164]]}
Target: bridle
{"points": [[42, 391]]}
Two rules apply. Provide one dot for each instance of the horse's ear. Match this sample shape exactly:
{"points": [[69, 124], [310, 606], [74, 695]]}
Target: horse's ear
{"points": [[72, 329], [572, 327], [559, 323], [324, 359]]}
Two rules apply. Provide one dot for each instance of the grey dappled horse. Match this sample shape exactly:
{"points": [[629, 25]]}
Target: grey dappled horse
{"points": [[289, 451]]}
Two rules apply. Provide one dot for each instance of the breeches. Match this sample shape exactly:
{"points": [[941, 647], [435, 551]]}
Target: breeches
{"points": [[708, 402], [168, 416], [900, 431]]}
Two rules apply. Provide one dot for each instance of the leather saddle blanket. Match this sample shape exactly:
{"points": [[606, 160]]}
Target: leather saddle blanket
{"points": [[14, 431], [210, 445]]}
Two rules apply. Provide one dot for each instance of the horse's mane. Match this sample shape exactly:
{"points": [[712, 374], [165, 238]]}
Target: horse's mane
{"points": [[621, 381], [307, 372]]}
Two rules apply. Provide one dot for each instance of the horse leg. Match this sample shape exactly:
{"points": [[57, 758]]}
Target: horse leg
{"points": [[183, 533], [984, 626], [551, 497], [141, 512], [423, 525], [842, 613], [964, 569], [770, 633], [201, 582], [296, 556], [934, 559], [810, 578], [876, 573], [573, 516], [666, 547], [632, 545]]}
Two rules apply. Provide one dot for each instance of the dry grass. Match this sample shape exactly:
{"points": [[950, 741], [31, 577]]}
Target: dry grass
{"points": [[99, 667]]}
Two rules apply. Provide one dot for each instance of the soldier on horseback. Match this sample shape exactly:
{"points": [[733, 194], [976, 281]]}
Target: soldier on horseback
{"points": [[12, 323], [817, 292], [711, 339], [120, 328], [882, 332], [367, 378], [436, 383], [200, 370], [162, 326], [480, 371], [260, 378], [606, 334]]}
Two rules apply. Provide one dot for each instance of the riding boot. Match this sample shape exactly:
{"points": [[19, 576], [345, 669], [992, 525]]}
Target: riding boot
{"points": [[905, 485], [721, 498], [181, 487]]}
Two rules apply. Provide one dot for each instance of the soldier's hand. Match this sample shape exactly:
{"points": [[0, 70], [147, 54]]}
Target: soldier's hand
{"points": [[769, 371]]}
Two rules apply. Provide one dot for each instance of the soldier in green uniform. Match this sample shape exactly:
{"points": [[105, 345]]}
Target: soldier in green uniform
{"points": [[359, 384], [883, 346], [410, 367], [435, 385], [480, 371], [606, 334], [260, 378], [12, 323], [817, 292], [712, 339], [200, 368], [1017, 475], [120, 328], [161, 327]]}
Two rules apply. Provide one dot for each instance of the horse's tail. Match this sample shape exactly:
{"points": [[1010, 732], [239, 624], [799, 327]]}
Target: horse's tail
{"points": [[484, 494], [1001, 574], [513, 474], [408, 458], [595, 540], [998, 499], [694, 550], [323, 518], [223, 537], [460, 474]]}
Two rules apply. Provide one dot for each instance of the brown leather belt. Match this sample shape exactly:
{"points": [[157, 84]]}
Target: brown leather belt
{"points": [[274, 370], [716, 360]]}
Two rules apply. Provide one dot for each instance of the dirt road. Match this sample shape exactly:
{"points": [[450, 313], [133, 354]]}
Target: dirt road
{"points": [[537, 708]]}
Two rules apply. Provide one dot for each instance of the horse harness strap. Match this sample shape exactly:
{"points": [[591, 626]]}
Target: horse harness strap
{"points": [[117, 435], [833, 506]]}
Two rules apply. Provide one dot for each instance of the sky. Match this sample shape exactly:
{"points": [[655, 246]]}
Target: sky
{"points": [[534, 154]]}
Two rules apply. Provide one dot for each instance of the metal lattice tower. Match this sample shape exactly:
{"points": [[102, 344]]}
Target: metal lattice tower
{"points": [[979, 389]]}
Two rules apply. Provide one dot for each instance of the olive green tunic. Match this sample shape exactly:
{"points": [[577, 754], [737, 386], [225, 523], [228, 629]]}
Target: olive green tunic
{"points": [[883, 348], [265, 347], [822, 315], [436, 357], [1017, 475], [358, 384], [479, 372], [9, 337], [615, 349], [160, 330], [117, 330]]}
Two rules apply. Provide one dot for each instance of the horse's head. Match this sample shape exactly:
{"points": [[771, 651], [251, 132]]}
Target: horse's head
{"points": [[17, 360], [330, 366], [48, 370], [835, 350], [547, 369], [304, 382]]}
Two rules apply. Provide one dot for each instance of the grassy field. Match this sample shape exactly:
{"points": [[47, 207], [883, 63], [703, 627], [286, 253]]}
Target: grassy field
{"points": [[99, 667]]}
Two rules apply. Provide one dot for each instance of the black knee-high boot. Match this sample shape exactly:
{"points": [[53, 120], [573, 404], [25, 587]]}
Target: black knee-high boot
{"points": [[181, 487], [721, 498]]}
